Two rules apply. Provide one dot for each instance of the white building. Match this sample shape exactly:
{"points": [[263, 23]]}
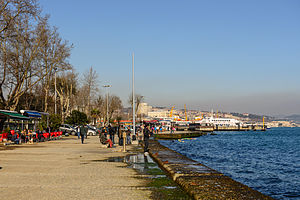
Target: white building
{"points": [[143, 109], [159, 114]]}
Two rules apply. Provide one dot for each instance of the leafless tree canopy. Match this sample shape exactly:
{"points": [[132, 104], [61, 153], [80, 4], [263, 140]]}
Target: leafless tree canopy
{"points": [[138, 99], [13, 10], [32, 54], [90, 81], [29, 51], [114, 105]]}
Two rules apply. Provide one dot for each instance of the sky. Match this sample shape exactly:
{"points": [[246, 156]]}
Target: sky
{"points": [[231, 56]]}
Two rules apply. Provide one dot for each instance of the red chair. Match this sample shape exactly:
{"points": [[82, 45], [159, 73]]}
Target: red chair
{"points": [[52, 135], [1, 137], [4, 136]]}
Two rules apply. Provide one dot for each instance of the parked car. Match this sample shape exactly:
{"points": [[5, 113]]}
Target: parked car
{"points": [[67, 129], [92, 131]]}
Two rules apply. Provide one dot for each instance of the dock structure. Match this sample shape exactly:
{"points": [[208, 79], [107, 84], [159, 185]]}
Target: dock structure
{"points": [[239, 128], [179, 134], [212, 128], [200, 181]]}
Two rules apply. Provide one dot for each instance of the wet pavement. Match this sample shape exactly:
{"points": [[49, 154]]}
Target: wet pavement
{"points": [[161, 185]]}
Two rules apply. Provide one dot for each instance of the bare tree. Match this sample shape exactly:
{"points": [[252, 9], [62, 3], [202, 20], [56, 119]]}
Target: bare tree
{"points": [[90, 84], [18, 45], [11, 10], [54, 53], [21, 71], [66, 87], [29, 51], [138, 99], [115, 104], [100, 105]]}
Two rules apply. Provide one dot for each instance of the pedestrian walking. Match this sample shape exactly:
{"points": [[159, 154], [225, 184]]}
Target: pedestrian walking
{"points": [[86, 130], [82, 133], [78, 131], [146, 139]]}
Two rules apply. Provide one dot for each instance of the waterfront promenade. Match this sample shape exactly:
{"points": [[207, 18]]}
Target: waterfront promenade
{"points": [[66, 169]]}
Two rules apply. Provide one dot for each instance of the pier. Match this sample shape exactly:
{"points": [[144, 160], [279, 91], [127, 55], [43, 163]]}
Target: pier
{"points": [[179, 135], [236, 128]]}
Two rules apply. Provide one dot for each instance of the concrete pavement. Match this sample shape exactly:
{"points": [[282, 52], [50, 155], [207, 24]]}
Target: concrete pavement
{"points": [[67, 169]]}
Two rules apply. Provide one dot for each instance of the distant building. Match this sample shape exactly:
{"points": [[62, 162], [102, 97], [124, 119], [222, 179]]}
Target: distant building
{"points": [[159, 114], [143, 109]]}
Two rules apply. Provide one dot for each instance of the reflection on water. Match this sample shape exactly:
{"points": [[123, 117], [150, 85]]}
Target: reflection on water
{"points": [[138, 161]]}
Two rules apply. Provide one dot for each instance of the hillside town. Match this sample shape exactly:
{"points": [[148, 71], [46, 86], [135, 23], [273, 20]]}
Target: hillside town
{"points": [[147, 112]]}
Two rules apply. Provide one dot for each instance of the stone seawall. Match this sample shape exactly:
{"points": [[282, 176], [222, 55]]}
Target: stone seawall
{"points": [[200, 181]]}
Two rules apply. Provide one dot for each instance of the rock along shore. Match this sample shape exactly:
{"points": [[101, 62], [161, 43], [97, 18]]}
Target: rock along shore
{"points": [[198, 180]]}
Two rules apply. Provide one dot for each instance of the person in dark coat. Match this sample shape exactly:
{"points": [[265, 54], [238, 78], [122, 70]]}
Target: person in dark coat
{"points": [[82, 133], [111, 132], [120, 135], [146, 139]]}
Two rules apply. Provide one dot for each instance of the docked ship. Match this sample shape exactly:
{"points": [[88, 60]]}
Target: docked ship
{"points": [[224, 122]]}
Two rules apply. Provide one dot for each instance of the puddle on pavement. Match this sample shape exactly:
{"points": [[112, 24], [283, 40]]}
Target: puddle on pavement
{"points": [[144, 164]]}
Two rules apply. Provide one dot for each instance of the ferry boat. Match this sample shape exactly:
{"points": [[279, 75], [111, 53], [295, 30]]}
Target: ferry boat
{"points": [[226, 122]]}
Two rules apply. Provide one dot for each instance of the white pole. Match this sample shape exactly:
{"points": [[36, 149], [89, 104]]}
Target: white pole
{"points": [[55, 92], [133, 96], [107, 108], [107, 86]]}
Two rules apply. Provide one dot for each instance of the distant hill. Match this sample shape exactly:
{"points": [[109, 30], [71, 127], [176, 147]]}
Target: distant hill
{"points": [[295, 118], [252, 116]]}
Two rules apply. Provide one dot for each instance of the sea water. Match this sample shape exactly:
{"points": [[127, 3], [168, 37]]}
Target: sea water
{"points": [[266, 161]]}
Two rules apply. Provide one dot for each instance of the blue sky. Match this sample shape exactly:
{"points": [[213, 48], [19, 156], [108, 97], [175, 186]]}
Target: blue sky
{"points": [[239, 56]]}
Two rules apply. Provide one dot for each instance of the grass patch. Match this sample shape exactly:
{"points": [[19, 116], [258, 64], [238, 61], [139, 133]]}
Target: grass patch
{"points": [[155, 171], [165, 188]]}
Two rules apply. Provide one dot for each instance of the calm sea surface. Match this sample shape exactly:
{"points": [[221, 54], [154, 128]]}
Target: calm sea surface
{"points": [[265, 161]]}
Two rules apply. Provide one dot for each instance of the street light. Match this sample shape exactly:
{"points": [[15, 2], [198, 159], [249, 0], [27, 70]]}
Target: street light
{"points": [[107, 86], [133, 96], [55, 69]]}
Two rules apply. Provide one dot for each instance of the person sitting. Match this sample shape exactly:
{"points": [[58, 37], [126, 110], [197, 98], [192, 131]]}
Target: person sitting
{"points": [[104, 140], [15, 139]]}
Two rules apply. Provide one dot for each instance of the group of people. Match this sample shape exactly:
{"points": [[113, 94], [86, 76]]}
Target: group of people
{"points": [[27, 135], [108, 133]]}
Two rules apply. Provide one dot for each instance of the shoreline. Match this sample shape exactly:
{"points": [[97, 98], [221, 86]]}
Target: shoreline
{"points": [[200, 181]]}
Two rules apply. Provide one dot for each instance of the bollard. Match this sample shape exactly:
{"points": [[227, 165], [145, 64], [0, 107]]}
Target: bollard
{"points": [[124, 141]]}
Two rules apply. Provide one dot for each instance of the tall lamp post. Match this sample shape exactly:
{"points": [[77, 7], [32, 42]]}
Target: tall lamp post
{"points": [[55, 69], [107, 86], [133, 96]]}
